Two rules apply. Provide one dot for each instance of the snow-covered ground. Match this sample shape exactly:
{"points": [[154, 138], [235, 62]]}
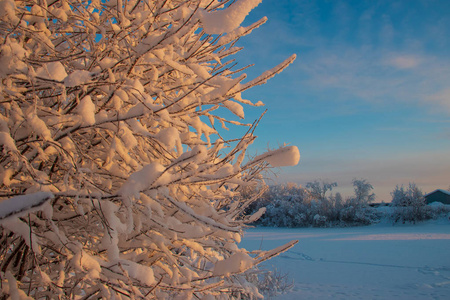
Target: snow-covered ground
{"points": [[374, 262]]}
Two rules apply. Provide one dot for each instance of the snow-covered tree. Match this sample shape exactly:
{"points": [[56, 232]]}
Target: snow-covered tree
{"points": [[363, 195], [412, 196], [115, 179], [409, 204], [318, 190]]}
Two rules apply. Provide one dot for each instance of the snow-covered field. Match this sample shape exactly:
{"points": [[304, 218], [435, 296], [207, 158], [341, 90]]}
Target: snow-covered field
{"points": [[374, 262]]}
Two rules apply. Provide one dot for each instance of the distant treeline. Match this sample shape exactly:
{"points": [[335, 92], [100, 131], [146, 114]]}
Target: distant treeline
{"points": [[290, 205]]}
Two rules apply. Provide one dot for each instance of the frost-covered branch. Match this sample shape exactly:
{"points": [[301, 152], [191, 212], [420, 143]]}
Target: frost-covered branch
{"points": [[20, 205]]}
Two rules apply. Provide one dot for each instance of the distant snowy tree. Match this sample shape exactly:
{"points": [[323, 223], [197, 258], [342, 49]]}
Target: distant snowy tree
{"points": [[409, 204], [362, 192], [318, 190], [407, 197], [337, 200], [117, 181]]}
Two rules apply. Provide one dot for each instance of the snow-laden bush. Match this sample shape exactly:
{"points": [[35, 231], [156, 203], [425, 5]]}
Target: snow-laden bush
{"points": [[271, 282], [319, 221], [409, 204], [438, 210], [111, 115], [359, 215]]}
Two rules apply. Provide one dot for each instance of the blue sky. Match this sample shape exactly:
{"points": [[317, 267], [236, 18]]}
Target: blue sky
{"points": [[368, 96]]}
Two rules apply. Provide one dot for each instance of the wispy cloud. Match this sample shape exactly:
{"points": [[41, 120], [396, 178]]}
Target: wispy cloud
{"points": [[404, 61], [378, 77]]}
